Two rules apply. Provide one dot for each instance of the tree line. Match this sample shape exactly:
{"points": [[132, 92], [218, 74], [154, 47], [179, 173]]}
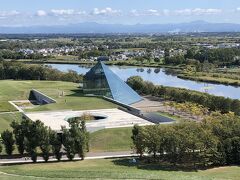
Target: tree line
{"points": [[31, 136], [214, 103], [9, 54], [21, 71], [194, 56], [212, 142]]}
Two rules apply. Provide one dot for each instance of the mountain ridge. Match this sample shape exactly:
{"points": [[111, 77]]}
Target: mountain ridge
{"points": [[93, 27]]}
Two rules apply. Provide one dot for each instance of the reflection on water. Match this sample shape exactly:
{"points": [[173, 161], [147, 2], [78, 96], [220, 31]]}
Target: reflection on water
{"points": [[160, 76], [157, 70]]}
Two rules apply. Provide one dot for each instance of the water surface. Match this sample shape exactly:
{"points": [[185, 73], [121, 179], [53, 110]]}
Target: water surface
{"points": [[159, 76]]}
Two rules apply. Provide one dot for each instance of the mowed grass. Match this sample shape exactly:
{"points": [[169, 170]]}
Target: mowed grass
{"points": [[5, 106], [113, 169], [72, 98], [110, 140], [6, 119]]}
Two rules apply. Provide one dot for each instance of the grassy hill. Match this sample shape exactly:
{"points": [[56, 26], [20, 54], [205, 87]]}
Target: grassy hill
{"points": [[113, 169], [72, 96], [109, 140]]}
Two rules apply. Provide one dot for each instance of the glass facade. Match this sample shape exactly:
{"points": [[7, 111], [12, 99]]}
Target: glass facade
{"points": [[100, 80]]}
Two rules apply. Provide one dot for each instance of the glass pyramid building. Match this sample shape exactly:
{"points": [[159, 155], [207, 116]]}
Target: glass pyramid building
{"points": [[100, 80]]}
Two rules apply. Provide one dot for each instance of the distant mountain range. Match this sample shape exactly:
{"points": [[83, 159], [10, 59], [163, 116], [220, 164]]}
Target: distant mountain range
{"points": [[92, 27]]}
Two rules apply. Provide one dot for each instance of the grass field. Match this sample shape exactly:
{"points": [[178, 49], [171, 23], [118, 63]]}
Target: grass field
{"points": [[6, 119], [113, 169], [72, 99], [109, 140]]}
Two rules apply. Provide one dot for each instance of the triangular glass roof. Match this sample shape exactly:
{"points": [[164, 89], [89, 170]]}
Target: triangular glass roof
{"points": [[100, 80]]}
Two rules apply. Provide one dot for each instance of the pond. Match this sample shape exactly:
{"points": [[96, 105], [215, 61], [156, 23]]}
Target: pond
{"points": [[160, 76]]}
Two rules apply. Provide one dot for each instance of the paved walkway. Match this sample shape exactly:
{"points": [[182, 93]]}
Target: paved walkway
{"points": [[91, 155], [115, 118]]}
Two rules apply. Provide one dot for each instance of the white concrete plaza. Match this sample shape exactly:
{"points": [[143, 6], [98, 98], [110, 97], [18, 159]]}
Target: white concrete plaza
{"points": [[115, 118]]}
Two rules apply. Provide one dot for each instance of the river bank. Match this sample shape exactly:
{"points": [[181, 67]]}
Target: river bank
{"points": [[178, 70], [209, 79], [91, 63]]}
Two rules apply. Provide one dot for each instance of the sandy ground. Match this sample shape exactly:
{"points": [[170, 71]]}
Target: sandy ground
{"points": [[115, 118]]}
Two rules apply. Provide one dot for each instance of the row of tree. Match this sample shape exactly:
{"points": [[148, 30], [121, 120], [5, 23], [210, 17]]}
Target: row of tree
{"points": [[9, 54], [214, 103], [21, 71], [30, 136], [214, 141], [220, 55]]}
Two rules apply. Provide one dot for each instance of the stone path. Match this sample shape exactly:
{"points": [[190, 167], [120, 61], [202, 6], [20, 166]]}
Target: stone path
{"points": [[91, 155]]}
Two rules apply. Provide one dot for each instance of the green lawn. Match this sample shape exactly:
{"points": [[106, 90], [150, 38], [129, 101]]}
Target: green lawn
{"points": [[113, 169], [72, 99], [5, 106], [109, 140], [6, 119]]}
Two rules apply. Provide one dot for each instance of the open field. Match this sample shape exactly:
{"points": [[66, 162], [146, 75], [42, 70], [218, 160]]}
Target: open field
{"points": [[6, 119], [113, 169], [72, 98], [109, 140]]}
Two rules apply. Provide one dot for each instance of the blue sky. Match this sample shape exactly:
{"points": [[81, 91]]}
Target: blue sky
{"points": [[49, 12]]}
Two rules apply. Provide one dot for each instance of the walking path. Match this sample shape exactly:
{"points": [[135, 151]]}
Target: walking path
{"points": [[92, 155]]}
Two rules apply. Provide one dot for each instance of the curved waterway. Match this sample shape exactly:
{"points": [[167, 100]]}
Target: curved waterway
{"points": [[160, 76]]}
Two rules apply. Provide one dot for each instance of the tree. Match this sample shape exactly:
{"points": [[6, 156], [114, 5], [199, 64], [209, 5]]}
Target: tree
{"points": [[68, 143], [18, 131], [236, 150], [33, 136], [79, 134], [138, 142], [0, 148], [136, 82], [44, 143], [8, 141], [55, 141], [235, 106]]}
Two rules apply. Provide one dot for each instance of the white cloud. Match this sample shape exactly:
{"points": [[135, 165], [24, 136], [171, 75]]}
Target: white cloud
{"points": [[60, 12], [5, 14], [166, 12], [238, 9], [106, 11], [153, 12], [197, 11], [149, 12], [66, 12], [41, 13]]}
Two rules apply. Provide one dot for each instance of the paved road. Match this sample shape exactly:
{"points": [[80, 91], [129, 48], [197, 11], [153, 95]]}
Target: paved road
{"points": [[100, 155]]}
